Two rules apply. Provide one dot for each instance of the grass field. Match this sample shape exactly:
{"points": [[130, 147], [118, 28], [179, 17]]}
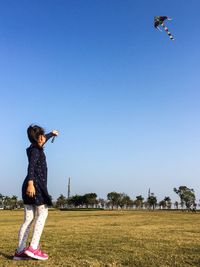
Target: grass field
{"points": [[109, 238]]}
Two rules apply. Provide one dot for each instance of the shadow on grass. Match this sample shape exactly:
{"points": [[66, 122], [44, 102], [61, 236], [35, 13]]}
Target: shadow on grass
{"points": [[6, 256]]}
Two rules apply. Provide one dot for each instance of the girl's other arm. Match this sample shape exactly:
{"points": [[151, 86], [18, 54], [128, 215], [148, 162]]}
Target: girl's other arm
{"points": [[33, 158], [30, 191]]}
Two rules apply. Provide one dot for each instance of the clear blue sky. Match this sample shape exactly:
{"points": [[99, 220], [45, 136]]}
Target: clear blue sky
{"points": [[124, 97]]}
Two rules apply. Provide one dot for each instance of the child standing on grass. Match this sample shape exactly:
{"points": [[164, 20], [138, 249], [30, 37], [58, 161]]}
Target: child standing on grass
{"points": [[35, 195]]}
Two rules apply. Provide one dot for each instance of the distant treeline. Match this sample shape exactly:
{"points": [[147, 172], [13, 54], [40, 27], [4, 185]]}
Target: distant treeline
{"points": [[114, 200]]}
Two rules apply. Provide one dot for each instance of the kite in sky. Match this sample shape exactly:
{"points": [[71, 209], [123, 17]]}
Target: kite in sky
{"points": [[159, 21]]}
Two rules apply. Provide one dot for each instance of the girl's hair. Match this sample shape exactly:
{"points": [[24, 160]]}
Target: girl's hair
{"points": [[33, 132]]}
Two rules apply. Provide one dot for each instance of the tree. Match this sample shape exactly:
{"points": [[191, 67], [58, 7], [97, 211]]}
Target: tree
{"points": [[165, 203], [61, 201], [176, 205], [90, 199], [8, 202], [1, 201], [187, 196], [102, 202], [138, 202], [152, 201], [168, 202], [162, 204], [76, 200], [20, 203], [13, 202], [125, 201], [114, 199]]}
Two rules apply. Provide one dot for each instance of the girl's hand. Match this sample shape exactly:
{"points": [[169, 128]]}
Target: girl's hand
{"points": [[55, 132], [30, 191]]}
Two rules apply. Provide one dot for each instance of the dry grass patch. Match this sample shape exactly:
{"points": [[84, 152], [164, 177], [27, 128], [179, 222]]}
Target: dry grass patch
{"points": [[109, 238]]}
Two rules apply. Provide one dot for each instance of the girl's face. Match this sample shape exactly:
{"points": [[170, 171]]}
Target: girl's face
{"points": [[41, 140]]}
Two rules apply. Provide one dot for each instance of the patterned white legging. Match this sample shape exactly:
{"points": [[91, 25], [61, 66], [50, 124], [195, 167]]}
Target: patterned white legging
{"points": [[31, 212]]}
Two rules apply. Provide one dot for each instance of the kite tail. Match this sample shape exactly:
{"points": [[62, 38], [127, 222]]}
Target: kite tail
{"points": [[167, 31]]}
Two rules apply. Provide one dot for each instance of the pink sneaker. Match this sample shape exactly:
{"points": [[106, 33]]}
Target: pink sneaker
{"points": [[20, 256], [36, 254]]}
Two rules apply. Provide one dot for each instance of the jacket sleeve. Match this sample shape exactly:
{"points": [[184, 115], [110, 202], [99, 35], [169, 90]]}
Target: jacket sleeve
{"points": [[33, 158], [49, 135]]}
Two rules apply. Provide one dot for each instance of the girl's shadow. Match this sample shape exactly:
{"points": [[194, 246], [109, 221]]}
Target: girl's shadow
{"points": [[10, 257], [6, 256]]}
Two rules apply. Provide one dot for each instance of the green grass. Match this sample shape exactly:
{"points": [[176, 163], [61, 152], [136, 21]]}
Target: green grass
{"points": [[109, 238]]}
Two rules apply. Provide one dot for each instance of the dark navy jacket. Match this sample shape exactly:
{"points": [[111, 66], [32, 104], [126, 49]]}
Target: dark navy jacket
{"points": [[37, 171]]}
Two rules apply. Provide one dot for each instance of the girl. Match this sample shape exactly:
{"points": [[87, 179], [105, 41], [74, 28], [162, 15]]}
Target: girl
{"points": [[35, 195]]}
